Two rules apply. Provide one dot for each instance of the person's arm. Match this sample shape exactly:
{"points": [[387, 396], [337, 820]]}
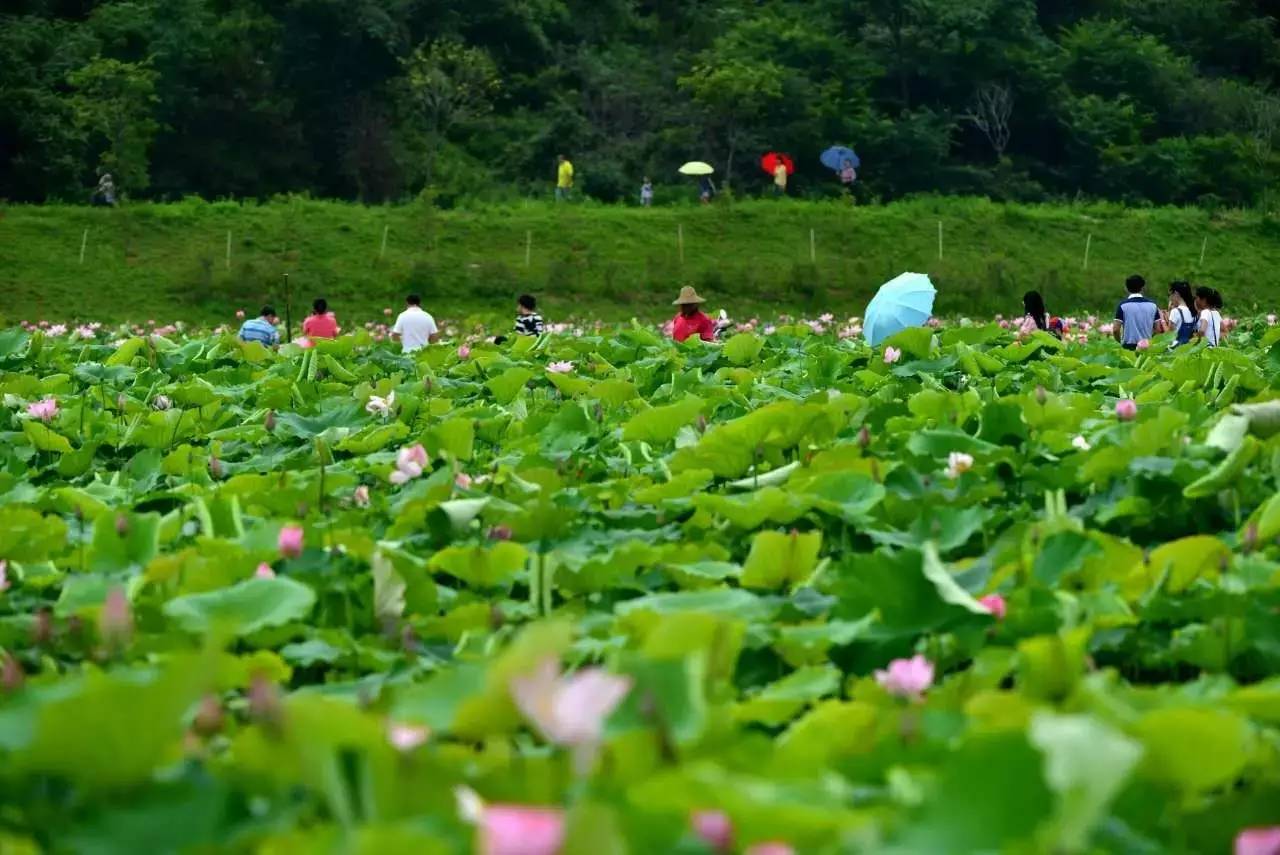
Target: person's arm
{"points": [[708, 331], [1202, 329], [1118, 327], [396, 330], [434, 335]]}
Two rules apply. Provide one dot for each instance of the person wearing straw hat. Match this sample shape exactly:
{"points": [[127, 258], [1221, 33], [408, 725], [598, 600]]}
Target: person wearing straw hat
{"points": [[691, 320]]}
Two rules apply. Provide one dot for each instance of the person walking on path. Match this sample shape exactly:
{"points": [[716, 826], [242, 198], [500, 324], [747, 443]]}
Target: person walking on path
{"points": [[848, 174], [528, 321], [320, 323], [1136, 315], [1209, 302], [564, 178], [691, 320], [780, 178], [105, 194], [706, 189], [415, 328], [261, 329], [646, 193], [1181, 319]]}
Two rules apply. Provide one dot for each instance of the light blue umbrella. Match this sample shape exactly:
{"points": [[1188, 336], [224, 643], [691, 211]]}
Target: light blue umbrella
{"points": [[906, 301]]}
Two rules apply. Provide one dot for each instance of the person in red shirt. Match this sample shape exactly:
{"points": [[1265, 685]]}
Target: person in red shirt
{"points": [[691, 320], [320, 323]]}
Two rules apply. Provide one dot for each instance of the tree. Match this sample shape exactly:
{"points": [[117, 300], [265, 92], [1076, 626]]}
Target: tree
{"points": [[990, 112], [450, 84], [732, 92], [113, 105]]}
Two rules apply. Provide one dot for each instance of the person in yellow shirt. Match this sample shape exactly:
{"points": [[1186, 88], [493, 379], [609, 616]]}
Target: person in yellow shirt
{"points": [[564, 177], [780, 178]]}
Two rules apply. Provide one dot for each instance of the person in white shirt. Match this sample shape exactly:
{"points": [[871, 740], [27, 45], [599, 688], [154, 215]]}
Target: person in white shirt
{"points": [[415, 328], [1209, 302]]}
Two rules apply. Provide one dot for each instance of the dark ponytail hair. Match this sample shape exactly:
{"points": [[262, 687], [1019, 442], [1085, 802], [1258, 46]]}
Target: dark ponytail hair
{"points": [[1211, 297], [1033, 305], [1183, 289]]}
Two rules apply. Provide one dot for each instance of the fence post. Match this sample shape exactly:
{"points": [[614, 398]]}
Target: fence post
{"points": [[680, 240], [84, 241], [382, 250], [1088, 244], [1204, 244], [939, 240], [528, 247], [813, 248], [228, 249]]}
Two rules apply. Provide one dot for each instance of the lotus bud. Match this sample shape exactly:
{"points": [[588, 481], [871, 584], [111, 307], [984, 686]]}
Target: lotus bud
{"points": [[122, 525], [121, 401], [264, 703], [42, 629], [115, 623], [215, 468], [161, 402], [269, 421], [500, 532], [1250, 541], [496, 618], [702, 423], [208, 719], [1041, 396], [864, 437], [11, 675]]}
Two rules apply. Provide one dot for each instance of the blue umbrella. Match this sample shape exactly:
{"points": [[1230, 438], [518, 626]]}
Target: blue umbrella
{"points": [[834, 158], [904, 302]]}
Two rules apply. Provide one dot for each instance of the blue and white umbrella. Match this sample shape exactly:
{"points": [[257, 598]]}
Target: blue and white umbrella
{"points": [[837, 156], [904, 302]]}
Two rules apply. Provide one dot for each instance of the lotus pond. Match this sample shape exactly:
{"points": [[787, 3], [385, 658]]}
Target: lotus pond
{"points": [[608, 594]]}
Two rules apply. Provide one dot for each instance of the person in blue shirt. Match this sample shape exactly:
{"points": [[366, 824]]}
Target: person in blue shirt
{"points": [[261, 329], [1136, 315]]}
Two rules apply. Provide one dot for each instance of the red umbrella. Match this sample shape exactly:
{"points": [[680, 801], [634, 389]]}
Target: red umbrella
{"points": [[770, 162]]}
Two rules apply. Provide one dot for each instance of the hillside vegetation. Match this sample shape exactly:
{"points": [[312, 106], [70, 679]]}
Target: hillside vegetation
{"points": [[170, 261], [1161, 101]]}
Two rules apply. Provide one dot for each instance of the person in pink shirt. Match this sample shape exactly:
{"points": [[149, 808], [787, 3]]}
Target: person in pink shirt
{"points": [[320, 323], [691, 320]]}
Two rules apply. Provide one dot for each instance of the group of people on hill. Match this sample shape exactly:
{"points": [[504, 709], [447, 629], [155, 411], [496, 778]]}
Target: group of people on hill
{"points": [[414, 328], [1192, 314]]}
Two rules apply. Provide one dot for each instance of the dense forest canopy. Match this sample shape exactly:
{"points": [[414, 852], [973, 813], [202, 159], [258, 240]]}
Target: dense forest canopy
{"points": [[1163, 101]]}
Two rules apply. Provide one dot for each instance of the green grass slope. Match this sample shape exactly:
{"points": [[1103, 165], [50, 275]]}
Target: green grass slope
{"points": [[170, 261]]}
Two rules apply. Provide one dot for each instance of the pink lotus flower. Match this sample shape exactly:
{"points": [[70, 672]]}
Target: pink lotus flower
{"points": [[409, 464], [4, 575], [1258, 841], [386, 312], [303, 342], [161, 402], [907, 678], [361, 496], [1028, 326], [560, 367], [463, 351], [958, 463], [714, 828], [43, 410], [1271, 320], [463, 480], [1143, 344], [770, 847], [1126, 410], [570, 710], [264, 571], [290, 541], [240, 314], [995, 604], [512, 829], [1081, 443], [406, 737], [891, 355]]}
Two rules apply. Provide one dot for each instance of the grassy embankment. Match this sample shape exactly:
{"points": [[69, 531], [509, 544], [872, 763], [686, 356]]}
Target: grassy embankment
{"points": [[169, 262]]}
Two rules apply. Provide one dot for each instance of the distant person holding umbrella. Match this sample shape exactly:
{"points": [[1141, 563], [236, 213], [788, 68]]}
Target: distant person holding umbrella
{"points": [[706, 189], [702, 171], [843, 162], [779, 166]]}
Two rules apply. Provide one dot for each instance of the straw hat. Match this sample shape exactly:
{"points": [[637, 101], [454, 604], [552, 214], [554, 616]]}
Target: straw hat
{"points": [[687, 295]]}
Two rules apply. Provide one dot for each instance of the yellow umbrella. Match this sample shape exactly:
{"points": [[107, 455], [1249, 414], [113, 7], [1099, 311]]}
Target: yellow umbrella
{"points": [[697, 167]]}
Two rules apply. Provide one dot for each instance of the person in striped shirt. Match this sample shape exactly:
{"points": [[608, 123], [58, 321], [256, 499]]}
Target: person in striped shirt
{"points": [[261, 329], [528, 321]]}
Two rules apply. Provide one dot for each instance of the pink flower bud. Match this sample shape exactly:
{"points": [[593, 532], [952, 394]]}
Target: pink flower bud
{"points": [[463, 351], [361, 496], [115, 623], [215, 468], [290, 541], [239, 314], [995, 604], [264, 571], [714, 828], [1126, 410]]}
